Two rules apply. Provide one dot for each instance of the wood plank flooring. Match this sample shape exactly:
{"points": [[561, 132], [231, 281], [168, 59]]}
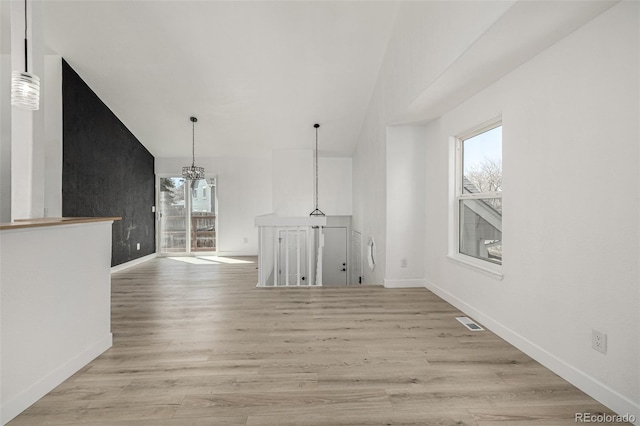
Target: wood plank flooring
{"points": [[201, 345]]}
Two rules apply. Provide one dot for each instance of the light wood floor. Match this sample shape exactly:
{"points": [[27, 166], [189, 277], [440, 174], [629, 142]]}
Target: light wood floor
{"points": [[201, 345]]}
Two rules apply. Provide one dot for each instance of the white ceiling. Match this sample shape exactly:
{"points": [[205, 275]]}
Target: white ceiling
{"points": [[257, 75]]}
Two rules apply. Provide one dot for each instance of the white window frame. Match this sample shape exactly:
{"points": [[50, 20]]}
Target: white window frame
{"points": [[456, 195], [189, 201]]}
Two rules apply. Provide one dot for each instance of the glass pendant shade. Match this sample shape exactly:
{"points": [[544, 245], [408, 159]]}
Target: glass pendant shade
{"points": [[25, 90], [25, 87], [193, 172]]}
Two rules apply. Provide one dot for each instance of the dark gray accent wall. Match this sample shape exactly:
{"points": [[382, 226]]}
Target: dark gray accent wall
{"points": [[106, 170]]}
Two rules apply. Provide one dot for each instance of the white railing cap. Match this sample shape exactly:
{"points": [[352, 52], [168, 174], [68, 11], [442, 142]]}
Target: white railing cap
{"points": [[273, 220]]}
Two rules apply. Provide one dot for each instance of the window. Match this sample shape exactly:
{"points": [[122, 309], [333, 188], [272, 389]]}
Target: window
{"points": [[478, 194]]}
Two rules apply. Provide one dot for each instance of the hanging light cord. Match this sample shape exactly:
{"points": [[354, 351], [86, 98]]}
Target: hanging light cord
{"points": [[316, 126], [26, 69], [317, 211], [193, 143]]}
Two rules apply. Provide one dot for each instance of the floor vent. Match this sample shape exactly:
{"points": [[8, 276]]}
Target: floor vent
{"points": [[469, 323]]}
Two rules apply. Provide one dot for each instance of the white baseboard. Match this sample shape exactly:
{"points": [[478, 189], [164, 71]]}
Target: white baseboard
{"points": [[404, 283], [592, 387], [24, 399], [134, 262]]}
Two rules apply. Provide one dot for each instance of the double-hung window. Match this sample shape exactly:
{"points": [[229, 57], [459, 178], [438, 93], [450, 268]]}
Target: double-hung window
{"points": [[478, 195]]}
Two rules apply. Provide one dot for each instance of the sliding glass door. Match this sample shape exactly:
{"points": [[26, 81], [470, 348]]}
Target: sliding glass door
{"points": [[202, 215], [187, 216]]}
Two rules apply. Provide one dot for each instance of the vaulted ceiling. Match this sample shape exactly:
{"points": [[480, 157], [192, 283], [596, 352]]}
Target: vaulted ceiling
{"points": [[257, 75]]}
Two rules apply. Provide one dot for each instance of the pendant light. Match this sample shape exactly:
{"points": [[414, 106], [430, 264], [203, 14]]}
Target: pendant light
{"points": [[25, 87], [317, 211], [193, 172]]}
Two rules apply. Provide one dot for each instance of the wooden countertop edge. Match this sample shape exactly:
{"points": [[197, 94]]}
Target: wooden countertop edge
{"points": [[53, 221]]}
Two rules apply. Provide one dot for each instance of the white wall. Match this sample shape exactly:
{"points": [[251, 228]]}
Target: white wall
{"points": [[293, 184], [571, 231], [421, 47], [280, 184], [335, 186], [31, 140], [5, 131], [27, 127], [52, 109], [55, 317], [571, 234], [244, 192], [369, 194], [5, 112], [405, 206]]}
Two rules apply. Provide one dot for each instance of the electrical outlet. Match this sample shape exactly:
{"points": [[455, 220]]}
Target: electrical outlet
{"points": [[403, 263], [599, 341], [138, 246]]}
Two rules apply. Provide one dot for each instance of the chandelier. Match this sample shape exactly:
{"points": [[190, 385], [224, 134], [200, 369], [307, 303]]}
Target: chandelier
{"points": [[193, 172]]}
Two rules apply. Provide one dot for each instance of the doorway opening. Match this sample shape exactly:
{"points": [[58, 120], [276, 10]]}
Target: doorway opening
{"points": [[334, 261]]}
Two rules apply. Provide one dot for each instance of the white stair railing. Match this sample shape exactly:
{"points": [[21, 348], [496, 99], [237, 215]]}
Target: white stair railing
{"points": [[320, 251], [290, 251]]}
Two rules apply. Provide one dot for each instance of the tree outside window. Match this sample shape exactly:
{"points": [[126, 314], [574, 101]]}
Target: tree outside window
{"points": [[479, 194]]}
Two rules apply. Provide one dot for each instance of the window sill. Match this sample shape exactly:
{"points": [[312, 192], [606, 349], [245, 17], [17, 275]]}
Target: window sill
{"points": [[487, 268]]}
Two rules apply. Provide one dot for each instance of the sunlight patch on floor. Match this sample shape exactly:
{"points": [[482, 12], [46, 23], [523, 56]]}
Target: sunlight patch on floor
{"points": [[192, 260], [208, 260], [224, 259]]}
